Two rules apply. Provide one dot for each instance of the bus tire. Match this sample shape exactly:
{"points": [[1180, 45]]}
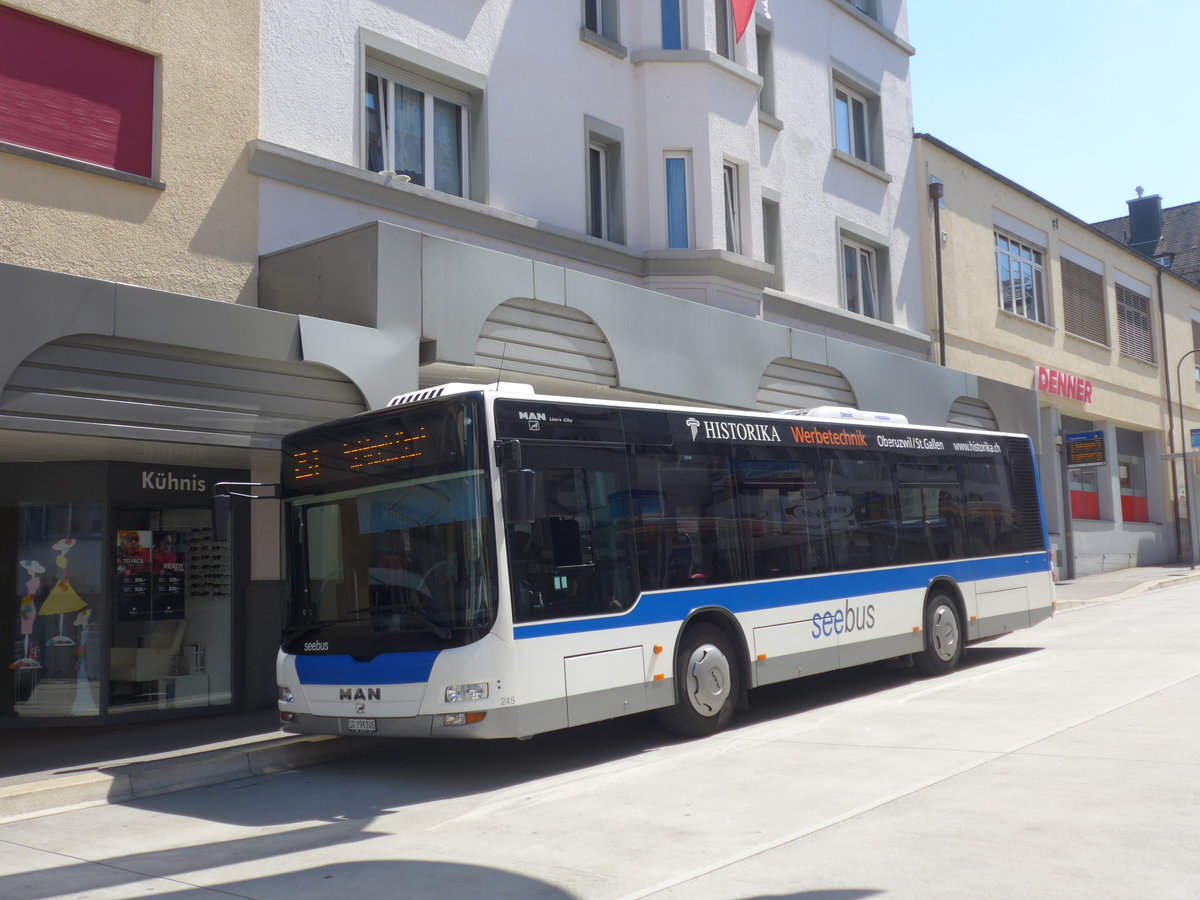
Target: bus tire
{"points": [[707, 681], [943, 636]]}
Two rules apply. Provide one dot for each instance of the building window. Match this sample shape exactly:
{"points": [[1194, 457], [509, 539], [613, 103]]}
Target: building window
{"points": [[672, 24], [1196, 345], [726, 41], [418, 129], [733, 208], [1019, 269], [866, 7], [1084, 481], [605, 180], [860, 279], [597, 174], [855, 117], [1083, 302], [1131, 467], [678, 207], [601, 17], [1133, 324], [74, 95], [766, 69], [772, 241]]}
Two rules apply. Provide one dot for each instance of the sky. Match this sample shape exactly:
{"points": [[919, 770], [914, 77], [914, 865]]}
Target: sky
{"points": [[1078, 101]]}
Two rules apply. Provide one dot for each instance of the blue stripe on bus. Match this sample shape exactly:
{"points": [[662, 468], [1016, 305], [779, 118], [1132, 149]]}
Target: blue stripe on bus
{"points": [[386, 668], [674, 606]]}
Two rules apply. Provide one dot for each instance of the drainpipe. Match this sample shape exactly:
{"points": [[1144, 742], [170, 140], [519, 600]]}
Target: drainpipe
{"points": [[936, 192], [1162, 326]]}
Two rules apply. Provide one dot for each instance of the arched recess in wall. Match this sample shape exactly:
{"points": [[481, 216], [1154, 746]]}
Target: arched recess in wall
{"points": [[531, 337], [794, 384], [115, 387], [972, 412]]}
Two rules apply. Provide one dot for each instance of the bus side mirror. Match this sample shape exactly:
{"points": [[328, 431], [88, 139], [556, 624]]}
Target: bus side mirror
{"points": [[520, 495], [224, 491]]}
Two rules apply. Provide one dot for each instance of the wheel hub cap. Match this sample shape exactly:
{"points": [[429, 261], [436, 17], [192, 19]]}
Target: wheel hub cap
{"points": [[708, 680]]}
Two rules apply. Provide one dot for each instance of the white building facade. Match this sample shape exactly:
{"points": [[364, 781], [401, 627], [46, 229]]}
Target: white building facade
{"points": [[548, 180]]}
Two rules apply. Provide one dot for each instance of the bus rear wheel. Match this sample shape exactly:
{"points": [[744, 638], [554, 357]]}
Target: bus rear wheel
{"points": [[706, 683], [943, 637]]}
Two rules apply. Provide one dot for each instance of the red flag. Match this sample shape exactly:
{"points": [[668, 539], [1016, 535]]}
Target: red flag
{"points": [[742, 12]]}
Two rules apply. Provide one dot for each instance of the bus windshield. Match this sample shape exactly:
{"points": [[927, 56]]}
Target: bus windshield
{"points": [[391, 543]]}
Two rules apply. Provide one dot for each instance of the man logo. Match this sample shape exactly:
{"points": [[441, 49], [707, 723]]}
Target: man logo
{"points": [[359, 694]]}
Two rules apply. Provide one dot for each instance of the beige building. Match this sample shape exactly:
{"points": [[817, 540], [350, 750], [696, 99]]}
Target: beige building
{"points": [[1025, 293], [161, 197]]}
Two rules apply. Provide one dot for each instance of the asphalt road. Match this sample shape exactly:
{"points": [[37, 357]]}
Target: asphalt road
{"points": [[1058, 762]]}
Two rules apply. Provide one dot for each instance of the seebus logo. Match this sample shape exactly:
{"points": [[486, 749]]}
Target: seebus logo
{"points": [[844, 621]]}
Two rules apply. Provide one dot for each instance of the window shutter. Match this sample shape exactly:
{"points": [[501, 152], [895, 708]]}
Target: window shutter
{"points": [[1083, 302], [1133, 325], [71, 94]]}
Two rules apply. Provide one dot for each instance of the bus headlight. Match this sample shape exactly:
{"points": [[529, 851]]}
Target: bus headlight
{"points": [[456, 693], [285, 694]]}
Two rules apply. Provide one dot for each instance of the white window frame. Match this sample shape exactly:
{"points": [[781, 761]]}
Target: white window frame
{"points": [[850, 143], [732, 195], [685, 158], [773, 236], [856, 298], [602, 17], [765, 53], [1036, 260], [604, 196], [431, 92], [597, 190]]}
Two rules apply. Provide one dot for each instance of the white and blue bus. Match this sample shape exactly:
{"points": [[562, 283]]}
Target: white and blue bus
{"points": [[486, 562]]}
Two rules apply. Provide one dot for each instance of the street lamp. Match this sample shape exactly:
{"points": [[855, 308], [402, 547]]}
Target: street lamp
{"points": [[1184, 436]]}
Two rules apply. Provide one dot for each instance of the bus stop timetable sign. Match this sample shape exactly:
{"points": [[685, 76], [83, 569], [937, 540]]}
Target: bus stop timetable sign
{"points": [[1085, 448]]}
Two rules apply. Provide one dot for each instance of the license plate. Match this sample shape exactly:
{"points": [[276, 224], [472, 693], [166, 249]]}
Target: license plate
{"points": [[361, 725]]}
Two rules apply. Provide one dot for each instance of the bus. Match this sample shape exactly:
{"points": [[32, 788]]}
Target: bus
{"points": [[488, 562]]}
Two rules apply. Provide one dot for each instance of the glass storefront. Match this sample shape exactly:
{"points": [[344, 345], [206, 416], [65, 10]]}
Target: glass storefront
{"points": [[125, 604]]}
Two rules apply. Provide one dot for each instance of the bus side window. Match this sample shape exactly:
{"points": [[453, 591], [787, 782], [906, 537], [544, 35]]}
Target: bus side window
{"points": [[573, 560], [859, 507]]}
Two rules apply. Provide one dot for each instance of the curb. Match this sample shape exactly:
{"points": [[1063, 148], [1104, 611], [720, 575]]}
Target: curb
{"points": [[1136, 590], [151, 778]]}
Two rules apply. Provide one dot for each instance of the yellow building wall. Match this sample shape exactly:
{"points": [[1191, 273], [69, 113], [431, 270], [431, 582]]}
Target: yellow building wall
{"points": [[986, 340], [196, 236]]}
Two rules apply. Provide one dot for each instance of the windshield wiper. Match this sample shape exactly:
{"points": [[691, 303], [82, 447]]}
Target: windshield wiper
{"points": [[416, 610]]}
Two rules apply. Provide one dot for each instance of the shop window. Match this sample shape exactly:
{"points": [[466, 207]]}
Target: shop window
{"points": [[172, 602], [57, 652], [1084, 481], [1085, 494], [1131, 468]]}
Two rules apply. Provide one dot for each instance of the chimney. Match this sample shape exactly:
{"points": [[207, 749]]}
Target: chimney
{"points": [[1145, 222]]}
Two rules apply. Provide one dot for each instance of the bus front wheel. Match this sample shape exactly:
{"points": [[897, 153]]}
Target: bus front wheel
{"points": [[706, 683], [943, 637]]}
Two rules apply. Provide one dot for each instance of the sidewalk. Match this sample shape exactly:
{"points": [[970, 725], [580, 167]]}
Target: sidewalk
{"points": [[44, 770]]}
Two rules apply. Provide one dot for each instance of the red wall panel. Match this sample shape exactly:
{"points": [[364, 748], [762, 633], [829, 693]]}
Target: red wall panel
{"points": [[75, 95]]}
